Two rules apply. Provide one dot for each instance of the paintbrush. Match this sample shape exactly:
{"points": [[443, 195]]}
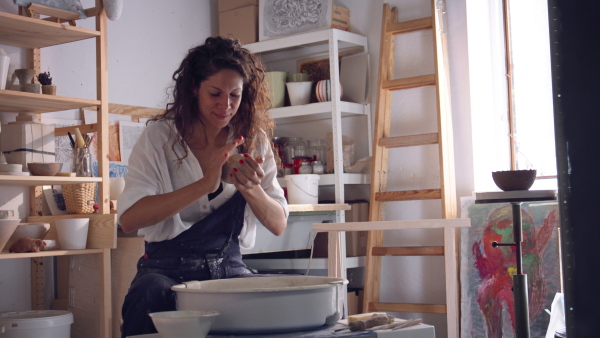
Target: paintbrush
{"points": [[71, 139]]}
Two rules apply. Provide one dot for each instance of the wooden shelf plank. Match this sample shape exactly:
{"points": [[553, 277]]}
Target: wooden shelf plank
{"points": [[102, 231], [49, 253], [21, 102], [318, 207], [409, 251], [403, 307], [31, 181], [394, 225], [408, 195], [24, 32], [299, 263]]}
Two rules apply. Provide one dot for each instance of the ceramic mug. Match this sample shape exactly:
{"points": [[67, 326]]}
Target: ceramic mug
{"points": [[298, 77], [299, 92], [276, 82], [323, 90]]}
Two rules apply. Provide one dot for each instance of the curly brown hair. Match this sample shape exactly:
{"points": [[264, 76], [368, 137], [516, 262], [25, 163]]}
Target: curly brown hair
{"points": [[218, 53]]}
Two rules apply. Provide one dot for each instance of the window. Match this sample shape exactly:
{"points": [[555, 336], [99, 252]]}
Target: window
{"points": [[532, 87], [532, 117]]}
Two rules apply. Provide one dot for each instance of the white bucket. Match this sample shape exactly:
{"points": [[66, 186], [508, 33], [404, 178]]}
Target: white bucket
{"points": [[43, 323], [303, 189]]}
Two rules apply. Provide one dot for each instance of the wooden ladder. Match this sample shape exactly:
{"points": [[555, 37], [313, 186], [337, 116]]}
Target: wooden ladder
{"points": [[383, 143]]}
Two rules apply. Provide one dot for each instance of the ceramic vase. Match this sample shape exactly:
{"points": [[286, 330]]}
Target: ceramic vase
{"points": [[49, 89], [276, 82], [4, 63], [323, 90], [25, 76]]}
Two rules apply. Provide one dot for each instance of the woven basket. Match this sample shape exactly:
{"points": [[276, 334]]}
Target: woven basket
{"points": [[79, 197]]}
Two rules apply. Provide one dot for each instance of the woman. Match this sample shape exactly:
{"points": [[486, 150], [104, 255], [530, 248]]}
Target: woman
{"points": [[193, 202]]}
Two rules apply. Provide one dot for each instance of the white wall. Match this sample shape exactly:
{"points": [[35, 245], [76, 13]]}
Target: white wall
{"points": [[147, 43]]}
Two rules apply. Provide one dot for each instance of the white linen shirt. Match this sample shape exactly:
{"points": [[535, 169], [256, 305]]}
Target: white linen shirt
{"points": [[154, 169]]}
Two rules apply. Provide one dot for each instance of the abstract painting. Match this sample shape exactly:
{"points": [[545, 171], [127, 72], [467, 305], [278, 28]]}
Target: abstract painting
{"points": [[62, 145], [287, 17], [487, 304]]}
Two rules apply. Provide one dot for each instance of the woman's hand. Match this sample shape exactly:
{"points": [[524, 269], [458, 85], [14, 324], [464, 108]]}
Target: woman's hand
{"points": [[243, 171]]}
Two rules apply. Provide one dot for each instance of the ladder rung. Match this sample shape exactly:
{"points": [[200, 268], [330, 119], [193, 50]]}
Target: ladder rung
{"points": [[408, 140], [408, 251], [409, 82], [402, 307], [408, 195], [409, 26]]}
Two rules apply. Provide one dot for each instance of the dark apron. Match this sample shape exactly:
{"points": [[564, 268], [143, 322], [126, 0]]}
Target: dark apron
{"points": [[209, 249]]}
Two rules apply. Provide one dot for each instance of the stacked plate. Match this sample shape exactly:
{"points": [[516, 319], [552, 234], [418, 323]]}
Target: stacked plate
{"points": [[12, 169]]}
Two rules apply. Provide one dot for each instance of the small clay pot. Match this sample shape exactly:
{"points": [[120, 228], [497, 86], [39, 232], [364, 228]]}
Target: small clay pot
{"points": [[49, 89], [25, 76], [44, 169], [511, 180], [31, 88]]}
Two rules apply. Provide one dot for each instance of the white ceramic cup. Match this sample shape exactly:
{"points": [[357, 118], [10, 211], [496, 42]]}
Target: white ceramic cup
{"points": [[4, 63], [299, 92], [72, 233], [276, 82]]}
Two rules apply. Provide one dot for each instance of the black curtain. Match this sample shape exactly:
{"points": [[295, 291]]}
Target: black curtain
{"points": [[574, 38]]}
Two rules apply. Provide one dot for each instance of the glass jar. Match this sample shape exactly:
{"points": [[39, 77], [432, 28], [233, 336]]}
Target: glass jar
{"points": [[288, 169], [300, 151], [81, 163], [305, 168], [316, 149], [279, 143], [289, 149], [318, 168]]}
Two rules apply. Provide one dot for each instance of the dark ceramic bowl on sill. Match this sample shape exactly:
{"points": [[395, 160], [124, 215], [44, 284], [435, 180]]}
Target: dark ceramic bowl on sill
{"points": [[511, 180]]}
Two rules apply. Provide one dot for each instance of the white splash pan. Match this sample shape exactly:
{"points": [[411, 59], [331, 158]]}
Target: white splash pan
{"points": [[270, 304]]}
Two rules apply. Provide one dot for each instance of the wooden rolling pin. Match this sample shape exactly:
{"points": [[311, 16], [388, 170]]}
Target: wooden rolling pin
{"points": [[375, 320]]}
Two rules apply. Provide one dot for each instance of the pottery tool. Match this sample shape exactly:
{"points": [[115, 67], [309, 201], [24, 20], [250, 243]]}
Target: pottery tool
{"points": [[79, 137], [360, 316], [373, 321], [398, 325], [71, 139]]}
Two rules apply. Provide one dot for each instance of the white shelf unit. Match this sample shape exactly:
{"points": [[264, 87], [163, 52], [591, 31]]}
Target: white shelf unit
{"points": [[32, 33], [333, 42], [330, 42]]}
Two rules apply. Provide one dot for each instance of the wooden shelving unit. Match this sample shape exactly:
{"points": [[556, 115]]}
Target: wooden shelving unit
{"points": [[21, 102], [33, 181], [32, 33], [24, 32]]}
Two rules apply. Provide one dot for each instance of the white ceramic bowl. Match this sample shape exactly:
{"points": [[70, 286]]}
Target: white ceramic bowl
{"points": [[29, 230], [7, 228], [183, 324], [257, 305], [10, 168]]}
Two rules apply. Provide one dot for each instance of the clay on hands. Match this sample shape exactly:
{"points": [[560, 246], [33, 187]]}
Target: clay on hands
{"points": [[232, 162]]}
